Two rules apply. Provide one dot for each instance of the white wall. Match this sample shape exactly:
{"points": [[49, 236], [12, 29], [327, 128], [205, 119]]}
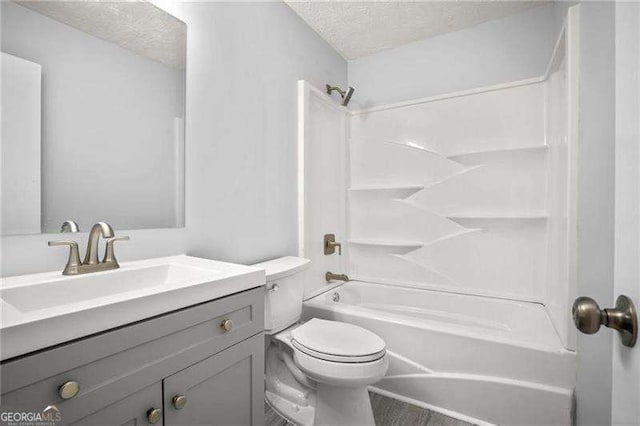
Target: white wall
{"points": [[243, 63], [494, 52], [107, 125]]}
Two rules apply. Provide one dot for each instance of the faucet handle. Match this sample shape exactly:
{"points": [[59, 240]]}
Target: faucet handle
{"points": [[109, 254], [73, 263]]}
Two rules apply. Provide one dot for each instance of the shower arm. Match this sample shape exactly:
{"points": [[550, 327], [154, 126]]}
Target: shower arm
{"points": [[331, 88]]}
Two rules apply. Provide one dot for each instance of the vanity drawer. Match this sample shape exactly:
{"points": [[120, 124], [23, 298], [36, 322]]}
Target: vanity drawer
{"points": [[122, 361]]}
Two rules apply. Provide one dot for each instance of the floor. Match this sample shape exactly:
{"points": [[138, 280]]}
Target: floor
{"points": [[387, 412]]}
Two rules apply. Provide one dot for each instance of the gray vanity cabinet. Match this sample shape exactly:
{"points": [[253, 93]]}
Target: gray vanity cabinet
{"points": [[225, 389], [213, 353]]}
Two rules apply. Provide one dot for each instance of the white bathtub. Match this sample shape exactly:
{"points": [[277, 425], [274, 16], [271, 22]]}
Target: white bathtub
{"points": [[478, 358]]}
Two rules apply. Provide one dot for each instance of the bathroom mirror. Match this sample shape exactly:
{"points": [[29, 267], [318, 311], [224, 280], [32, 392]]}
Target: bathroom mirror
{"points": [[93, 101]]}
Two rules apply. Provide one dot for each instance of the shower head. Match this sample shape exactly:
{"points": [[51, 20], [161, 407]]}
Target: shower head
{"points": [[345, 95]]}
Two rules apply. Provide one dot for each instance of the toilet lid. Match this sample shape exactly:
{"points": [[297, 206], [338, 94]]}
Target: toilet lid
{"points": [[337, 341]]}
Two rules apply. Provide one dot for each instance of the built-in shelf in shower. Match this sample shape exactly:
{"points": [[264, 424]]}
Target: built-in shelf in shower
{"points": [[496, 216], [534, 148], [386, 187], [391, 191], [404, 246], [413, 145]]}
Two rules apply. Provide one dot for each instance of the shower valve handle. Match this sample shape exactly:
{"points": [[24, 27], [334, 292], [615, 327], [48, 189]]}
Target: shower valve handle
{"points": [[333, 245], [330, 245]]}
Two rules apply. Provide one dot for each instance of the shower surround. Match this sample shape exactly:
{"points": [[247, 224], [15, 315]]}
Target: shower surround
{"points": [[458, 214]]}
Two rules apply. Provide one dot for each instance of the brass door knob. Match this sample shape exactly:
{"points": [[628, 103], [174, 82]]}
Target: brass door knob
{"points": [[179, 401], [226, 325], [154, 415], [69, 389], [588, 317]]}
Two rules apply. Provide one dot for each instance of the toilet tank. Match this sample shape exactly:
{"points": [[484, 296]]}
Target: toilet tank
{"points": [[286, 277]]}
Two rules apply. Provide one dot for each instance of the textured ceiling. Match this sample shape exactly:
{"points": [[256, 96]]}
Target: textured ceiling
{"points": [[357, 28], [138, 26]]}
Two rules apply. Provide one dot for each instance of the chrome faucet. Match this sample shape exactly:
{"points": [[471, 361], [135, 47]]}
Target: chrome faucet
{"points": [[331, 276], [91, 262]]}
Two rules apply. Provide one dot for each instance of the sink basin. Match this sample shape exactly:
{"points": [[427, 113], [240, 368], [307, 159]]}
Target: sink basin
{"points": [[42, 310], [70, 290]]}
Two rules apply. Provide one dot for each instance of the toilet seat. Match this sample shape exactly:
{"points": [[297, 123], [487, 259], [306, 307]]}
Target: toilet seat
{"points": [[337, 342], [349, 374], [337, 358]]}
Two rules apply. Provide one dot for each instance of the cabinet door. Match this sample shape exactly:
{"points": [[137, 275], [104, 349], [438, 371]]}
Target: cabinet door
{"points": [[132, 410], [225, 389]]}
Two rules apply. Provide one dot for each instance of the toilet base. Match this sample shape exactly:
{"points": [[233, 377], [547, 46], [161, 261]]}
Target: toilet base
{"points": [[313, 392], [343, 406], [297, 414]]}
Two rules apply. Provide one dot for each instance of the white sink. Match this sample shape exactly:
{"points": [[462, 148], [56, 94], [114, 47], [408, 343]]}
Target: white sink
{"points": [[69, 290], [42, 310]]}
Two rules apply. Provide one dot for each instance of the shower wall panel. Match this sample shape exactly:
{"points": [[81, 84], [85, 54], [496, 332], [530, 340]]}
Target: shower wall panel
{"points": [[450, 193], [472, 192], [322, 181], [561, 88]]}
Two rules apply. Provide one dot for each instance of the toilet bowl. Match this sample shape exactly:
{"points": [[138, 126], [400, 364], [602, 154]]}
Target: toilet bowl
{"points": [[317, 372]]}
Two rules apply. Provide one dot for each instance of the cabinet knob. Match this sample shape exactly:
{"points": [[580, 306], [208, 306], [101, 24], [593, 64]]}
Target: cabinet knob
{"points": [[154, 415], [179, 401], [69, 389], [226, 325]]}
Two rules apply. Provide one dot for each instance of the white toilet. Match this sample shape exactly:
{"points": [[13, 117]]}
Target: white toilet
{"points": [[316, 372]]}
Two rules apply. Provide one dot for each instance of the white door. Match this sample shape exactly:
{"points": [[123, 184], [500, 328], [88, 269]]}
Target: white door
{"points": [[625, 406], [608, 382]]}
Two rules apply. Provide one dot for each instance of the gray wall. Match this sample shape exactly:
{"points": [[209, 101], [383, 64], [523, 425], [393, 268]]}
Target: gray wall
{"points": [[243, 63], [494, 52], [242, 169], [98, 98]]}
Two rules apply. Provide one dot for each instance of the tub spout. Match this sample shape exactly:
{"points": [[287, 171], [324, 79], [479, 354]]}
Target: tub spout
{"points": [[331, 276]]}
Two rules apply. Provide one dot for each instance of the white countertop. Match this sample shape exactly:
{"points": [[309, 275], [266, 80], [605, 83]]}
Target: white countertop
{"points": [[32, 323]]}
